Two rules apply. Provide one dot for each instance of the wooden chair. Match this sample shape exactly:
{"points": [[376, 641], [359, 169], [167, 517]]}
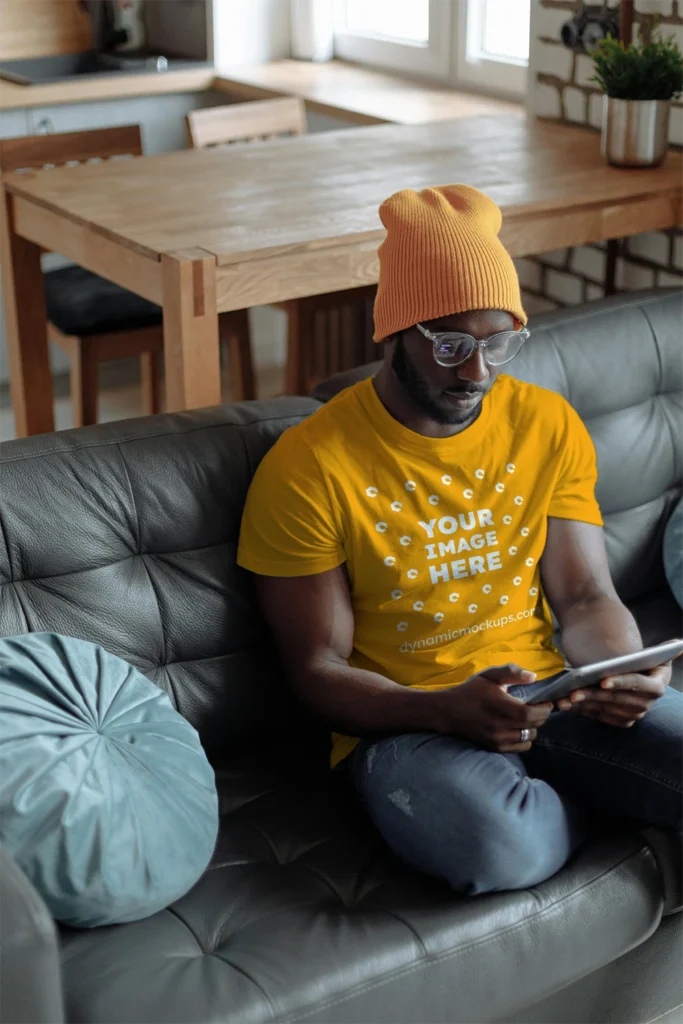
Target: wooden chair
{"points": [[240, 123], [91, 319]]}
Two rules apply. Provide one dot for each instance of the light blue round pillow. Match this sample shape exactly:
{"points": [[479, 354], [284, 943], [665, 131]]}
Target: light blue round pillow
{"points": [[673, 552], [107, 800]]}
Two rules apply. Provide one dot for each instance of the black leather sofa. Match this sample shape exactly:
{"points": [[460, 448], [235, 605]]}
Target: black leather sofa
{"points": [[125, 534]]}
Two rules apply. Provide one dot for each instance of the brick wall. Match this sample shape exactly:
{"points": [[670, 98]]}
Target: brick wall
{"points": [[560, 89]]}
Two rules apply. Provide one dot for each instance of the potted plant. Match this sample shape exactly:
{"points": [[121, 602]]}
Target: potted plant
{"points": [[639, 82]]}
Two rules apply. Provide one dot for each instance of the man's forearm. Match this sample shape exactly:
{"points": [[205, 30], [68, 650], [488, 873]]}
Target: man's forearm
{"points": [[365, 703], [598, 629]]}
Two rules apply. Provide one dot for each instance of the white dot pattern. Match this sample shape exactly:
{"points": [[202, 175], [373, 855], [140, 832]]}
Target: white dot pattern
{"points": [[406, 540]]}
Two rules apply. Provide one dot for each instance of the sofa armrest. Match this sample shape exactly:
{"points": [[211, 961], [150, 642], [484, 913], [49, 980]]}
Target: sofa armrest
{"points": [[667, 847], [30, 977]]}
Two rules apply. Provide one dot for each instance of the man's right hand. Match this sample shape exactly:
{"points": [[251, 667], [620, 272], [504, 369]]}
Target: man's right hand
{"points": [[481, 710]]}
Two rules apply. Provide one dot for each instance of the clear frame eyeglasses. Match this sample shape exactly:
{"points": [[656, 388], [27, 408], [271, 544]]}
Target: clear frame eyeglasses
{"points": [[452, 348]]}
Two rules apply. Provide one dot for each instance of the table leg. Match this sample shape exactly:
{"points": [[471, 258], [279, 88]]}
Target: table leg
{"points": [[26, 325], [191, 351]]}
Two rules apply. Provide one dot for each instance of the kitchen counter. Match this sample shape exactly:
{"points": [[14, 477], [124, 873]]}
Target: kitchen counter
{"points": [[360, 94], [104, 87], [356, 94]]}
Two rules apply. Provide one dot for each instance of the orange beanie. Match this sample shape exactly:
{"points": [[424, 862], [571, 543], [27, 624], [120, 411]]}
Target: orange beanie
{"points": [[442, 255]]}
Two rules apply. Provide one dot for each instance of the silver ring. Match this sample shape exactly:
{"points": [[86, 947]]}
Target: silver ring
{"points": [[525, 735]]}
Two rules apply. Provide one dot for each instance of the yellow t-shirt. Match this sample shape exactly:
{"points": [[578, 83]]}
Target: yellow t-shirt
{"points": [[441, 536]]}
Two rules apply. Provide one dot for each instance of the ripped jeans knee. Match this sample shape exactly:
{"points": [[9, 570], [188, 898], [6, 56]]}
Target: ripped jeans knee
{"points": [[457, 812]]}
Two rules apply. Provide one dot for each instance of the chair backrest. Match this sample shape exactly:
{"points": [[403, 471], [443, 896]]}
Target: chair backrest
{"points": [[29, 152], [246, 122]]}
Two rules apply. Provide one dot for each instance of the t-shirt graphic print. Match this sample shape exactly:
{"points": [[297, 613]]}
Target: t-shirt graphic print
{"points": [[441, 537]]}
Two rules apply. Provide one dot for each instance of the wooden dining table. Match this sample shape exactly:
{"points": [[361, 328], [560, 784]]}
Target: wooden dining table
{"points": [[205, 231]]}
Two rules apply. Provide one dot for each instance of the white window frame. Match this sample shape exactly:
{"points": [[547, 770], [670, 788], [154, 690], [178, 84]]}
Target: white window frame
{"points": [[431, 59], [450, 56], [484, 73]]}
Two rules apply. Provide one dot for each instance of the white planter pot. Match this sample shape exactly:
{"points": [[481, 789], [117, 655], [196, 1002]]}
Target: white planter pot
{"points": [[312, 29], [635, 133]]}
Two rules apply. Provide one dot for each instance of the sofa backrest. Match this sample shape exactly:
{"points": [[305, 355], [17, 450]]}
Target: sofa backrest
{"points": [[619, 362], [125, 534]]}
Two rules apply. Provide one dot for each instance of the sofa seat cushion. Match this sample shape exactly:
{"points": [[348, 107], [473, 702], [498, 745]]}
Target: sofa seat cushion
{"points": [[81, 303], [304, 915]]}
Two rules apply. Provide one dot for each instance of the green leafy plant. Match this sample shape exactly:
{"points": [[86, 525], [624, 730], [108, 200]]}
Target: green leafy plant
{"points": [[651, 69]]}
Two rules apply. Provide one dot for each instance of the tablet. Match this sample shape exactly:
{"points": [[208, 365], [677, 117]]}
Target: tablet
{"points": [[591, 675]]}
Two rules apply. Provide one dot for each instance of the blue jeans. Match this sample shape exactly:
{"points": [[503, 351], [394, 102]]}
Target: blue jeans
{"points": [[486, 822]]}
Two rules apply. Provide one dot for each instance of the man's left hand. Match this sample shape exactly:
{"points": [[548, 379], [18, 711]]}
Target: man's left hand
{"points": [[620, 700]]}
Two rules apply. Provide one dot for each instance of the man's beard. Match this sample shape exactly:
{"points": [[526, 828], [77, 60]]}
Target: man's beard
{"points": [[431, 403]]}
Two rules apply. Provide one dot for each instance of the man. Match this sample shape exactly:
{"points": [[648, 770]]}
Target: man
{"points": [[408, 541]]}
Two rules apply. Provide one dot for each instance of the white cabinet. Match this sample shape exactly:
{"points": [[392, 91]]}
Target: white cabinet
{"points": [[13, 123], [162, 118]]}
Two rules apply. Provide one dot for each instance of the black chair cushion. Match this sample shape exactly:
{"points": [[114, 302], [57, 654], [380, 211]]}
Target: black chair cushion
{"points": [[82, 303]]}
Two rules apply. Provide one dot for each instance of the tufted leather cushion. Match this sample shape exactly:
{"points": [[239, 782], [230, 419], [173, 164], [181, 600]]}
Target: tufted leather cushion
{"points": [[305, 916], [673, 552], [126, 535], [81, 303]]}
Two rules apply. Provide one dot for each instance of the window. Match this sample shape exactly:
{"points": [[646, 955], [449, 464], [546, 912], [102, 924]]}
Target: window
{"points": [[483, 43], [406, 35], [409, 20], [493, 44]]}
